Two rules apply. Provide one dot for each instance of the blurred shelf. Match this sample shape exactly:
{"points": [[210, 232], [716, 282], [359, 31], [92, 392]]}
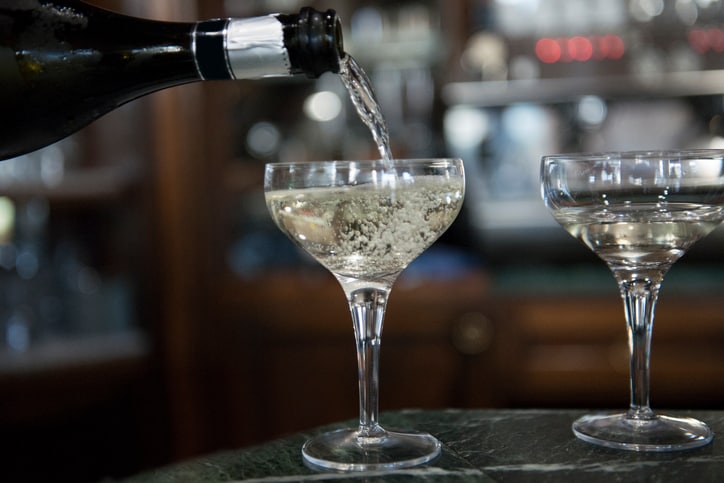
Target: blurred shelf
{"points": [[72, 352], [56, 379], [654, 85], [275, 297], [99, 183], [423, 50], [684, 280]]}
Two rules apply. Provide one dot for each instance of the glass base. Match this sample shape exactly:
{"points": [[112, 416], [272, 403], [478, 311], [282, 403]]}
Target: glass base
{"points": [[657, 433], [347, 450]]}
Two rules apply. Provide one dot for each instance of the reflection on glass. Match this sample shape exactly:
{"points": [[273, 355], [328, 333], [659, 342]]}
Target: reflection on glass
{"points": [[365, 221], [639, 212]]}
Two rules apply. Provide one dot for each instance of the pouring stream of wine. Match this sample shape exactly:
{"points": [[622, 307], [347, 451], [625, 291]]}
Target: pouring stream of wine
{"points": [[363, 97]]}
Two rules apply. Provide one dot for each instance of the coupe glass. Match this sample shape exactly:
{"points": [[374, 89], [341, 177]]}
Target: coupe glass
{"points": [[365, 221], [639, 212]]}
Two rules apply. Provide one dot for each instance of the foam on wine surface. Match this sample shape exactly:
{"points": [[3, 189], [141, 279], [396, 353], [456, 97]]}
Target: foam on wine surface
{"points": [[366, 231]]}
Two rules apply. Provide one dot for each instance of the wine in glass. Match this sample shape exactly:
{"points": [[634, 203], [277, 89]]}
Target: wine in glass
{"points": [[365, 221], [639, 212]]}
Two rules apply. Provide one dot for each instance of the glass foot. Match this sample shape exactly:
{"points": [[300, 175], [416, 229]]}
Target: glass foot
{"points": [[656, 433], [347, 450]]}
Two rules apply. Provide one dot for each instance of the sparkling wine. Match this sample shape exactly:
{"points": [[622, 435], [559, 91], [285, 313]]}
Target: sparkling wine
{"points": [[639, 211], [363, 98], [641, 235], [367, 231]]}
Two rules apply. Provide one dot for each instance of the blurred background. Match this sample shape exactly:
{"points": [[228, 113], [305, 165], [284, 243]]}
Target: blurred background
{"points": [[151, 312]]}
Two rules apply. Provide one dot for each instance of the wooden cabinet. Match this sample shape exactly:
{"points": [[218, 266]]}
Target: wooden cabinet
{"points": [[457, 342], [573, 351], [79, 375], [293, 363], [84, 357]]}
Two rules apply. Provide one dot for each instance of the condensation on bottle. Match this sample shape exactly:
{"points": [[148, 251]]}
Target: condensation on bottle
{"points": [[64, 63]]}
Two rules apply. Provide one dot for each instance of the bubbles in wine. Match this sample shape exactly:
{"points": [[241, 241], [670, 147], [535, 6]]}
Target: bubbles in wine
{"points": [[365, 231]]}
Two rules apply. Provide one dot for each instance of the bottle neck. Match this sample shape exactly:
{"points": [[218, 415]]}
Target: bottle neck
{"points": [[314, 41], [208, 45], [248, 48], [274, 45]]}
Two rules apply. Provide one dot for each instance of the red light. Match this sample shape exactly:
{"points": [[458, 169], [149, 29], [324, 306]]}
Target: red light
{"points": [[580, 48], [699, 41], [611, 47], [703, 41], [583, 49], [548, 50]]}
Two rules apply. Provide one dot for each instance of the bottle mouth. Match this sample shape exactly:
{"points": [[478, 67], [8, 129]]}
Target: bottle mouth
{"points": [[320, 41]]}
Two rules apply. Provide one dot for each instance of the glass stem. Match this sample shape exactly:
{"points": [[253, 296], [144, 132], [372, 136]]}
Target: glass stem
{"points": [[639, 297], [368, 311]]}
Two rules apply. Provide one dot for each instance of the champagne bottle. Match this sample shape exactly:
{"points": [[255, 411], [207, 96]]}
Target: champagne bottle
{"points": [[64, 63]]}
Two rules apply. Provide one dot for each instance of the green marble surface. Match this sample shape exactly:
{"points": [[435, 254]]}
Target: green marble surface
{"points": [[478, 446]]}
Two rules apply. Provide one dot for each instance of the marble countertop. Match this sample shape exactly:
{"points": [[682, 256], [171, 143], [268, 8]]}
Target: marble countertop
{"points": [[478, 446]]}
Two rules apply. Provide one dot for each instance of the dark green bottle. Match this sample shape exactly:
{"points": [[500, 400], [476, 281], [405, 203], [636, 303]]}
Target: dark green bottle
{"points": [[64, 63]]}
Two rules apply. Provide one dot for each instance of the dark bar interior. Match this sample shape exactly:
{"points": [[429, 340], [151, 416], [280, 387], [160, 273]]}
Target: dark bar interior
{"points": [[151, 312]]}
